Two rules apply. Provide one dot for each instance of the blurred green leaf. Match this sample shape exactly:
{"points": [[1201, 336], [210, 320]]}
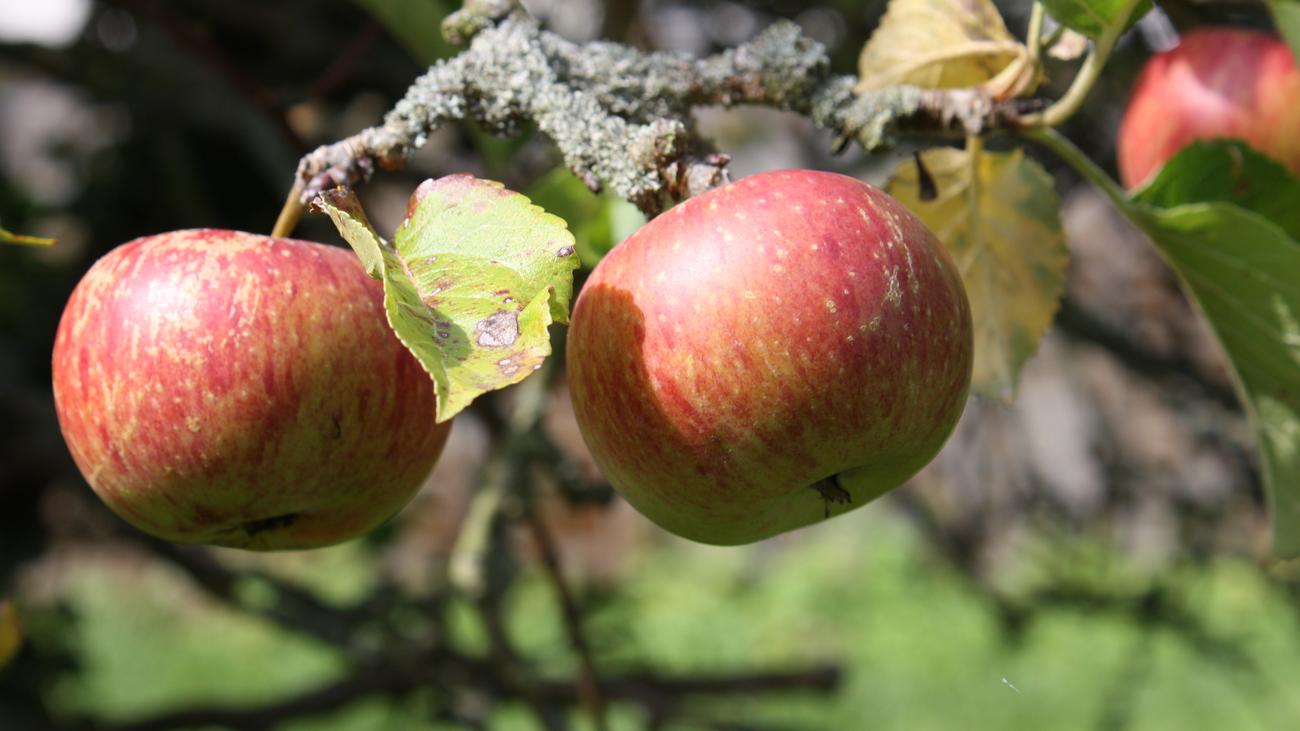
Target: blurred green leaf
{"points": [[1092, 17], [417, 24], [11, 633], [1228, 171], [1286, 13], [1244, 273], [472, 281], [598, 222], [8, 237]]}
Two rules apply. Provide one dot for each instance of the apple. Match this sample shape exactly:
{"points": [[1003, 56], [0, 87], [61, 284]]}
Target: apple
{"points": [[1217, 83], [227, 388], [784, 348]]}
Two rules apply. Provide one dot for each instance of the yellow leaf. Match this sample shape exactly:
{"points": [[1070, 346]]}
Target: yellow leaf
{"points": [[11, 635], [945, 44], [1000, 218]]}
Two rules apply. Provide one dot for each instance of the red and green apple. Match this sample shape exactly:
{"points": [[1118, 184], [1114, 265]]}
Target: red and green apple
{"points": [[1217, 83], [788, 346], [227, 388]]}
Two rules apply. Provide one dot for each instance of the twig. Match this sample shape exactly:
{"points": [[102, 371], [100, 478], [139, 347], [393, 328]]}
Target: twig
{"points": [[444, 669], [294, 608], [380, 679], [589, 692], [650, 690]]}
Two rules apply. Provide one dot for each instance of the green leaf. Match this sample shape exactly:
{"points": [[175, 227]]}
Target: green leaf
{"points": [[1000, 218], [350, 219], [8, 237], [1286, 13], [472, 281], [1228, 171], [1092, 17], [1244, 273]]}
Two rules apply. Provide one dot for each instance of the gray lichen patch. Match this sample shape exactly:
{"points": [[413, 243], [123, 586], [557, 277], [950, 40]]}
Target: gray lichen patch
{"points": [[621, 117]]}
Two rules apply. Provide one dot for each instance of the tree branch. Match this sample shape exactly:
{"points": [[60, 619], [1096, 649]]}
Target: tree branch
{"points": [[622, 117], [440, 670]]}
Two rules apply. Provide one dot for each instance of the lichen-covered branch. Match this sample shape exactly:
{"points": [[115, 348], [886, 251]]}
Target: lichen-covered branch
{"points": [[622, 117]]}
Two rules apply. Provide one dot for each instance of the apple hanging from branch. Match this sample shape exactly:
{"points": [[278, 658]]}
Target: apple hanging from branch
{"points": [[226, 388], [788, 346], [1217, 83]]}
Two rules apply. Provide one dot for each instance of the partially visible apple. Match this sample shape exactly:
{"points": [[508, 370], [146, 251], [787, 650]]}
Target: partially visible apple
{"points": [[227, 388], [1217, 83], [790, 345]]}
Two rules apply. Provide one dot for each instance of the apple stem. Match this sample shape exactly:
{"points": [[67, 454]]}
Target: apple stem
{"points": [[292, 211]]}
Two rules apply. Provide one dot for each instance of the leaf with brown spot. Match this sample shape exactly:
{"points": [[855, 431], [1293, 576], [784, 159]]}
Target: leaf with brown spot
{"points": [[11, 633], [472, 281], [1000, 218], [945, 44]]}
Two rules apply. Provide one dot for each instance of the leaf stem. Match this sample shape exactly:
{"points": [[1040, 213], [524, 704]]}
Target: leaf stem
{"points": [[1034, 35], [1067, 105], [974, 151], [1077, 159]]}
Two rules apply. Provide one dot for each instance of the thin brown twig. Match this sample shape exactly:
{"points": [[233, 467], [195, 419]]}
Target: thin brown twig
{"points": [[590, 695]]}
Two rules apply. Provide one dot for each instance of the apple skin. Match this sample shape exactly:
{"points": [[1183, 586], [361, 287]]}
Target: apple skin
{"points": [[1217, 83], [228, 388], [789, 328]]}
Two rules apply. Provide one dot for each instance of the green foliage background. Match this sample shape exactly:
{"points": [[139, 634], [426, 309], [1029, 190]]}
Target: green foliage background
{"points": [[204, 116], [922, 647]]}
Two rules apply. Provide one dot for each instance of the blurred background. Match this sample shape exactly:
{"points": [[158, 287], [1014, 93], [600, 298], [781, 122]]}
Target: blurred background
{"points": [[1093, 556]]}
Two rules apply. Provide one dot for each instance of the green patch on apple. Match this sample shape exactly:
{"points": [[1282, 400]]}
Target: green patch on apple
{"points": [[473, 278]]}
